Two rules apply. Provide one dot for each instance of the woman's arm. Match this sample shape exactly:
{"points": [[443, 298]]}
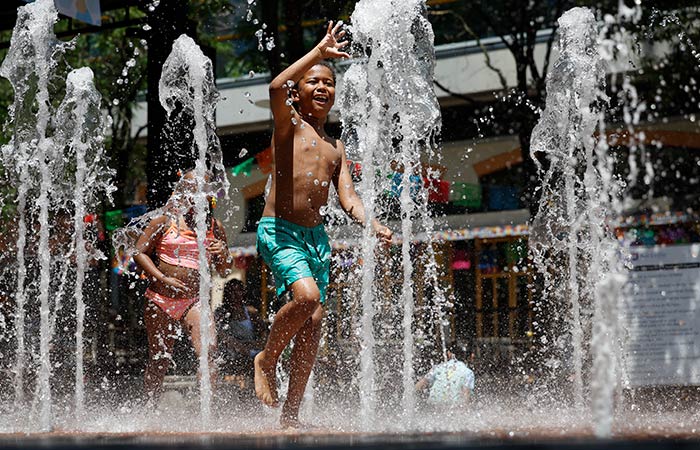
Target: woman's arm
{"points": [[218, 249], [145, 246]]}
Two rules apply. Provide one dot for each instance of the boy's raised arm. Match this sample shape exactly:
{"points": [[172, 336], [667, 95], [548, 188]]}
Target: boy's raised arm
{"points": [[329, 47]]}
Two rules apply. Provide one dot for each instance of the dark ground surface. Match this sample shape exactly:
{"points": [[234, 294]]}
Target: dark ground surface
{"points": [[320, 440]]}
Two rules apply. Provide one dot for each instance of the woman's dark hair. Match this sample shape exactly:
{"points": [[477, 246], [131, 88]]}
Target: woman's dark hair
{"points": [[233, 287]]}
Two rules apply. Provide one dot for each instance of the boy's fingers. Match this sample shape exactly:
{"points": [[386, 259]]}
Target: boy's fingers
{"points": [[337, 26], [330, 27], [341, 34], [343, 44]]}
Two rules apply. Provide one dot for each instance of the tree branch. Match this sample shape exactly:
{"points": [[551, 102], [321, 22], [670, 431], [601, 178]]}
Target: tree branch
{"points": [[138, 132], [487, 57], [513, 48], [455, 94]]}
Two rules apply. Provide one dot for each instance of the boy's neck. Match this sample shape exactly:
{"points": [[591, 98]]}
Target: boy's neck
{"points": [[316, 123]]}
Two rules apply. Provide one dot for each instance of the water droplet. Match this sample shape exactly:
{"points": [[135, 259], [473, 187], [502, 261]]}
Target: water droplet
{"points": [[324, 184], [290, 83], [131, 62], [316, 182], [243, 152], [251, 74], [313, 143], [289, 102], [147, 27], [115, 102], [309, 174], [303, 125], [294, 121]]}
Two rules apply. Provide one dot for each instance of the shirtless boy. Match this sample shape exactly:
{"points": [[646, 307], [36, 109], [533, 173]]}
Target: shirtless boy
{"points": [[291, 236]]}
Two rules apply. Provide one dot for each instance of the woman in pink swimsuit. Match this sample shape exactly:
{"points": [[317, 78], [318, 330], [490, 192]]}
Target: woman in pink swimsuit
{"points": [[169, 255]]}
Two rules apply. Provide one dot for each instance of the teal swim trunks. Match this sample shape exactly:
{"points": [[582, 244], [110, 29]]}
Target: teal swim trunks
{"points": [[294, 252]]}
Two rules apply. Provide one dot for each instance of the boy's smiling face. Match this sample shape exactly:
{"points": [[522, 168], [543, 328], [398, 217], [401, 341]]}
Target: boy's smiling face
{"points": [[315, 92]]}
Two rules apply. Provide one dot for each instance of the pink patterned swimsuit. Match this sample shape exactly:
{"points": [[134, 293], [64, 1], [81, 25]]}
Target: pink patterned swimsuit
{"points": [[178, 247]]}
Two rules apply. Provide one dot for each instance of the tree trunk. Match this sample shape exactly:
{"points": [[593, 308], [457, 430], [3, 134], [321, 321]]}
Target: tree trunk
{"points": [[295, 32], [168, 21]]}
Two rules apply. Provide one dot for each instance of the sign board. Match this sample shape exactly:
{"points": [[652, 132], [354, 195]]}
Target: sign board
{"points": [[87, 11], [661, 314]]}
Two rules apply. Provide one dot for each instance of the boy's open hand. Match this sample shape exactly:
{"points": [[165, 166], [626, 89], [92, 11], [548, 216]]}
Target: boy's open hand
{"points": [[330, 46]]}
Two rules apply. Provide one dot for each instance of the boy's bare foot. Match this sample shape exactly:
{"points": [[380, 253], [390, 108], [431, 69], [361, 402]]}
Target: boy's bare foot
{"points": [[288, 423], [265, 382]]}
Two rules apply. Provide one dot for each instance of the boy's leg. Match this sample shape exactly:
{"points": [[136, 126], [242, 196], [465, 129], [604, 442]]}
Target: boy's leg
{"points": [[302, 361], [306, 298], [161, 341]]}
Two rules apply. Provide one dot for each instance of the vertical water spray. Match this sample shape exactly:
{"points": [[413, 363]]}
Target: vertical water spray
{"points": [[187, 86], [30, 66], [80, 133], [391, 119], [615, 48], [572, 245]]}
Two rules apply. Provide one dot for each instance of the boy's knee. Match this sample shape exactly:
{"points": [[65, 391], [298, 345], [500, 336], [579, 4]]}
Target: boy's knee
{"points": [[309, 302], [307, 295]]}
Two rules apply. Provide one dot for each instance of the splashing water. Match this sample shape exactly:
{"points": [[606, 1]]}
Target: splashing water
{"points": [[187, 90], [391, 119], [54, 162], [579, 195], [81, 134], [29, 65]]}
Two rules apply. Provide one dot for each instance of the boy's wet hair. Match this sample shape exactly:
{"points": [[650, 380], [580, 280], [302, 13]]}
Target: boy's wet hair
{"points": [[323, 63], [461, 350]]}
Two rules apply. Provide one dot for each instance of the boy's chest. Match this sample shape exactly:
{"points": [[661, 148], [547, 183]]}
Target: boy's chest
{"points": [[315, 151]]}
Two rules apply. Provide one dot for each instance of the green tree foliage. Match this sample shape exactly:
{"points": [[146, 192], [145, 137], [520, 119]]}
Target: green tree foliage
{"points": [[670, 75]]}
